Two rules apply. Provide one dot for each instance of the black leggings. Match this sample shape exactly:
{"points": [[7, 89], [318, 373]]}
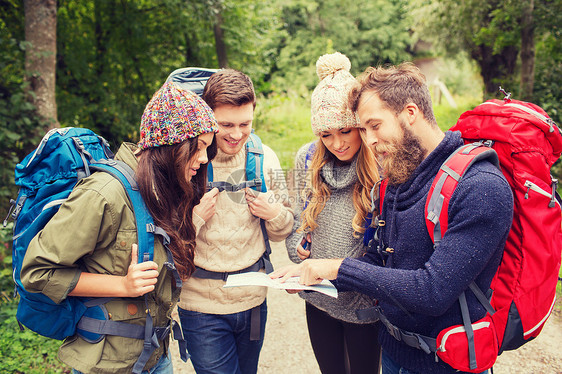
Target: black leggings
{"points": [[342, 347]]}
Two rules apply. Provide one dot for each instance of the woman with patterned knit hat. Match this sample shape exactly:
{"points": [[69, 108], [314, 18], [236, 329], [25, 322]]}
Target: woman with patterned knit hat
{"points": [[89, 248], [329, 216]]}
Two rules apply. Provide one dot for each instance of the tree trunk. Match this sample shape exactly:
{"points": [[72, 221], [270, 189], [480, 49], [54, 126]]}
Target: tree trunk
{"points": [[527, 52], [219, 42], [40, 57], [496, 69]]}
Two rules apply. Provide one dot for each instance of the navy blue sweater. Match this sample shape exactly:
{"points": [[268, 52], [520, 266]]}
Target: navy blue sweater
{"points": [[420, 292]]}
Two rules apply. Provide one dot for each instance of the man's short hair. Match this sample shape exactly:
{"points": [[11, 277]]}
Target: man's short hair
{"points": [[396, 86], [229, 87]]}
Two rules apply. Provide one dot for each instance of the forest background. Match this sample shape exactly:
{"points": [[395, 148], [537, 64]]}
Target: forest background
{"points": [[96, 63]]}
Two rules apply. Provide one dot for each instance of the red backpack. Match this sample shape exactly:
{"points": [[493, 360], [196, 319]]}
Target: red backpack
{"points": [[524, 143]]}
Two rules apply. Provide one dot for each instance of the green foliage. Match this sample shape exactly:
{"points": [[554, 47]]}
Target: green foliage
{"points": [[20, 128], [556, 172], [112, 56], [253, 31], [558, 305], [20, 131], [283, 123], [488, 31], [447, 116], [111, 59], [368, 32], [25, 351], [548, 66], [6, 282], [21, 351]]}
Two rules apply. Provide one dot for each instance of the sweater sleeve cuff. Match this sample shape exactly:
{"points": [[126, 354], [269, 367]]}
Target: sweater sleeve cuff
{"points": [[198, 222], [351, 274], [278, 219], [280, 226], [61, 283]]}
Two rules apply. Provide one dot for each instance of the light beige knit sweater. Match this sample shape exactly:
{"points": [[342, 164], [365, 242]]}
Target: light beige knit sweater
{"points": [[232, 239]]}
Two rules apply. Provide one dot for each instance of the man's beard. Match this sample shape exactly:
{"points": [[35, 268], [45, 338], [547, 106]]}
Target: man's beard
{"points": [[402, 157]]}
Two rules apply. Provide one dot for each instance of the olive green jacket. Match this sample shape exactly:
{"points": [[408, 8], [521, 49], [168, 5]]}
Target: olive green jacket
{"points": [[93, 232]]}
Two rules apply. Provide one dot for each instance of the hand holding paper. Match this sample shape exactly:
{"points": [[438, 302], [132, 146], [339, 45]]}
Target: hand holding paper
{"points": [[310, 271]]}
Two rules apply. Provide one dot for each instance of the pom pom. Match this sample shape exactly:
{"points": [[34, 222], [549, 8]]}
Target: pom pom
{"points": [[332, 63]]}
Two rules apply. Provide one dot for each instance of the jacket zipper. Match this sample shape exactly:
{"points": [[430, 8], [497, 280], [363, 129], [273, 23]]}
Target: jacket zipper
{"points": [[47, 206], [531, 186], [460, 329], [551, 124]]}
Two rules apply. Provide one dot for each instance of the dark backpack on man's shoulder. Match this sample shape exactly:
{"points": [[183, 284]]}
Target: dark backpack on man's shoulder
{"points": [[46, 178]]}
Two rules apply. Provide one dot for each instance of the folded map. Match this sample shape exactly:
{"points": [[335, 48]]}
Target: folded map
{"points": [[262, 279]]}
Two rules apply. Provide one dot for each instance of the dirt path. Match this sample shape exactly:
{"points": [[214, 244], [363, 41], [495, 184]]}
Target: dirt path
{"points": [[287, 350]]}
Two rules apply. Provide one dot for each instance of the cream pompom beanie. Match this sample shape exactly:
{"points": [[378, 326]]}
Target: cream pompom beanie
{"points": [[329, 99]]}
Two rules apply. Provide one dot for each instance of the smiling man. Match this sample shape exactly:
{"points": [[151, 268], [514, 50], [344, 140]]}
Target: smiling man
{"points": [[224, 327], [417, 284]]}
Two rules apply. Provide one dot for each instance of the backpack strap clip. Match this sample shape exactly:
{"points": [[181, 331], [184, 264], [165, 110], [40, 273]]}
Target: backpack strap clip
{"points": [[15, 209], [157, 230], [256, 183], [507, 97], [169, 264], [411, 339], [552, 202]]}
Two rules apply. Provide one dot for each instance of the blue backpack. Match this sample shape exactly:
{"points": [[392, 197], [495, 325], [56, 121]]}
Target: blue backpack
{"points": [[46, 177], [193, 79]]}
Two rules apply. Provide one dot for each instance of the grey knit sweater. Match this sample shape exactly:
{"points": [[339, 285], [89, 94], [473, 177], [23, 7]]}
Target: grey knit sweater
{"points": [[333, 238]]}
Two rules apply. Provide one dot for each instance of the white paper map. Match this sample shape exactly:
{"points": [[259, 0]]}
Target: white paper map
{"points": [[262, 279]]}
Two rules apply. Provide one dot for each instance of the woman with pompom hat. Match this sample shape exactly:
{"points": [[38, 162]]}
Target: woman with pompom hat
{"points": [[329, 220], [89, 247]]}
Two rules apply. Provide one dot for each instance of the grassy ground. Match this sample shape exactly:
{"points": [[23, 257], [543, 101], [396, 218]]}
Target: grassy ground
{"points": [[24, 351]]}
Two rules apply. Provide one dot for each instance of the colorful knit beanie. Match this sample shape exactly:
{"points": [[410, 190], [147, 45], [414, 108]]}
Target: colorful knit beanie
{"points": [[174, 115], [328, 105]]}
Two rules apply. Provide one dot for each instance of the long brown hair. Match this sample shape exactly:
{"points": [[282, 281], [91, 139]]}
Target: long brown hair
{"points": [[317, 192], [170, 196]]}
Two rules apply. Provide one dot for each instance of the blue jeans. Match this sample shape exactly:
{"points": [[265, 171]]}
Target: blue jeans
{"points": [[389, 366], [220, 343], [163, 366]]}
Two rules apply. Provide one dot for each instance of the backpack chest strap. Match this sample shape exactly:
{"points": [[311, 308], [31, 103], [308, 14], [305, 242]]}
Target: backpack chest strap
{"points": [[230, 187]]}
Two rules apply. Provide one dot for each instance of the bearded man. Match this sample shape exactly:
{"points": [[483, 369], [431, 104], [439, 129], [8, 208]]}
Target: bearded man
{"points": [[416, 283]]}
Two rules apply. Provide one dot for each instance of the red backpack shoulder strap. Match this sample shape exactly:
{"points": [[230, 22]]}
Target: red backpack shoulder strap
{"points": [[382, 190], [445, 183]]}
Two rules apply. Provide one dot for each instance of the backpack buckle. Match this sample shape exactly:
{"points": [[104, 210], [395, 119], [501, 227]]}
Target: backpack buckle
{"points": [[394, 332], [257, 184], [15, 209], [12, 205], [552, 202], [507, 97]]}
